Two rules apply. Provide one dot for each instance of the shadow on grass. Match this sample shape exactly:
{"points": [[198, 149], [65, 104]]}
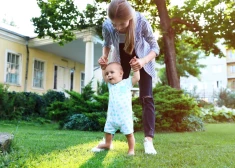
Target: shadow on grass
{"points": [[96, 160], [78, 156]]}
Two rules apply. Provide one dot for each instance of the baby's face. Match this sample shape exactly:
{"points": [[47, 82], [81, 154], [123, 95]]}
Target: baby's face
{"points": [[113, 74]]}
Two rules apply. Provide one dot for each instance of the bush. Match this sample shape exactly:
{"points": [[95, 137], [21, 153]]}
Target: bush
{"points": [[85, 122], [226, 98], [78, 122], [218, 114], [5, 102], [90, 107], [175, 111], [52, 96], [59, 111], [204, 104]]}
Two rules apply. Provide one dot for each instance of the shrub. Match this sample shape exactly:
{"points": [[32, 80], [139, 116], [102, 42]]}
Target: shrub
{"points": [[93, 107], [137, 109], [218, 114], [59, 111], [175, 111], [226, 98], [78, 122], [85, 122], [52, 96], [5, 102]]}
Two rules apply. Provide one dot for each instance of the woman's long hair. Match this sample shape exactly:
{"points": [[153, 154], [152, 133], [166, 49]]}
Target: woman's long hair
{"points": [[122, 10]]}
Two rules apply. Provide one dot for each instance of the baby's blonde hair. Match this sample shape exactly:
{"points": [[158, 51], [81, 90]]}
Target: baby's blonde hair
{"points": [[121, 9], [116, 64]]}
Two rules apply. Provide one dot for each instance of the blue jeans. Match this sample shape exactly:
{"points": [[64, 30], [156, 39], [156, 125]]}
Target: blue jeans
{"points": [[146, 93], [146, 98]]}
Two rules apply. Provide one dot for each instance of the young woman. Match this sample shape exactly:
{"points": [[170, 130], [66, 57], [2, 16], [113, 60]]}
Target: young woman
{"points": [[131, 35]]}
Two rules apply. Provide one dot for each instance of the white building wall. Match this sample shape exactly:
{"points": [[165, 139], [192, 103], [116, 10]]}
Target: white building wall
{"points": [[211, 80]]}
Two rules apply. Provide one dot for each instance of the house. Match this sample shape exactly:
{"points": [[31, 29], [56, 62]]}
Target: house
{"points": [[212, 78], [230, 55], [36, 65], [218, 74]]}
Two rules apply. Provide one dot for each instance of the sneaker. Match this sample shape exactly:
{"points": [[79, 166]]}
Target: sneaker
{"points": [[148, 147]]}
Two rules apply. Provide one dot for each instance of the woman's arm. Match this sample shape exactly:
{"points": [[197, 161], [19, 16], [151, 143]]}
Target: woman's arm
{"points": [[103, 60], [141, 62]]}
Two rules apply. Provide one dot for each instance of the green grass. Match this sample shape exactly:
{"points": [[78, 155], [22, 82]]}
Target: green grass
{"points": [[44, 146]]}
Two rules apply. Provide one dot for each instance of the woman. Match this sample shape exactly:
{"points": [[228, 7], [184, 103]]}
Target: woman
{"points": [[131, 35]]}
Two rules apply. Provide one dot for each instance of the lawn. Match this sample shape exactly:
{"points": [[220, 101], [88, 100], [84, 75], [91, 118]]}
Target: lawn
{"points": [[44, 146]]}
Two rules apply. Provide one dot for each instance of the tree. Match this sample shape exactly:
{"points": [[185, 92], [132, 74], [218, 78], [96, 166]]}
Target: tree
{"points": [[203, 23], [60, 18], [186, 60]]}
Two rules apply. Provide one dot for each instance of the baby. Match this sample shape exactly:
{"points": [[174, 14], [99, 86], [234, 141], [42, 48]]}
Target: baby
{"points": [[119, 116]]}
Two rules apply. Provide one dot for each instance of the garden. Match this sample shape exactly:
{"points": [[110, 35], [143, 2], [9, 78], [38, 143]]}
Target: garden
{"points": [[52, 130]]}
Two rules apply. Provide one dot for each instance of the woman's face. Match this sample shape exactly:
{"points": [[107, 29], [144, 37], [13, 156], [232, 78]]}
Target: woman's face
{"points": [[120, 25]]}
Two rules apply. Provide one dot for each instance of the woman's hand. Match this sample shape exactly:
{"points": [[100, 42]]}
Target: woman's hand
{"points": [[103, 61], [137, 63]]}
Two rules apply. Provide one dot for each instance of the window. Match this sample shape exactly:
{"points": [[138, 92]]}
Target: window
{"points": [[38, 75], [233, 84], [231, 53], [82, 81], [55, 77], [232, 69], [13, 68], [71, 79], [217, 84]]}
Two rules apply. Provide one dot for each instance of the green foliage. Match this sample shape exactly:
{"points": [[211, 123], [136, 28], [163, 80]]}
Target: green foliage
{"points": [[90, 107], [226, 98], [51, 96], [26, 105], [216, 16], [173, 108], [58, 111], [5, 102], [86, 122], [186, 60], [204, 104], [218, 114], [60, 18], [78, 122], [45, 146], [102, 88], [21, 105], [87, 92], [175, 111], [137, 109]]}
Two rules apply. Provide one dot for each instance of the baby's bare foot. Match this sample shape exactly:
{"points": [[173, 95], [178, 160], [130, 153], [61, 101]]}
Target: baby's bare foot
{"points": [[131, 153]]}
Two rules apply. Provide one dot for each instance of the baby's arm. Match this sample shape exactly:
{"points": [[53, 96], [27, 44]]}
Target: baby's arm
{"points": [[103, 73], [136, 74], [136, 77]]}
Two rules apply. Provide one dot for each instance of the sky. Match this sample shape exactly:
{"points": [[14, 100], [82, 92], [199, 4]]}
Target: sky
{"points": [[21, 12]]}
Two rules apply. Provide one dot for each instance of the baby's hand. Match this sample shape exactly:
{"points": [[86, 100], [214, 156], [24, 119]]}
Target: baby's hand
{"points": [[133, 63], [133, 60], [103, 60]]}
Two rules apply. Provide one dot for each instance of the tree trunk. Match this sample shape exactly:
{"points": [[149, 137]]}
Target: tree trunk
{"points": [[169, 44]]}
